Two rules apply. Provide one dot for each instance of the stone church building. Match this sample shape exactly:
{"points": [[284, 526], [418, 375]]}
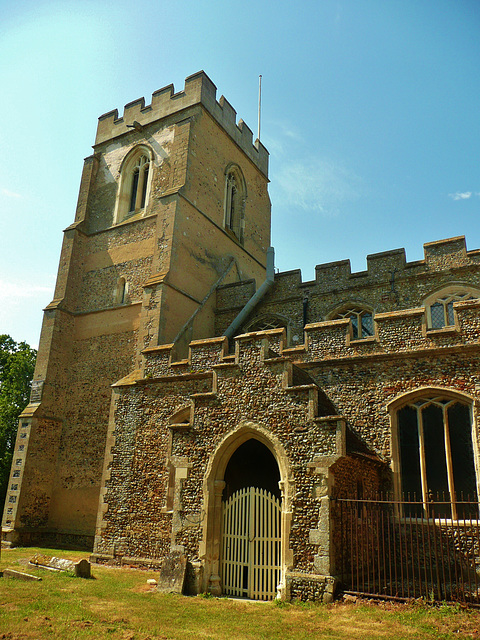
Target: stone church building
{"points": [[188, 398]]}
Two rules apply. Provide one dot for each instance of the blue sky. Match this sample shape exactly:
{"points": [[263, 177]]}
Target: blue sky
{"points": [[370, 110]]}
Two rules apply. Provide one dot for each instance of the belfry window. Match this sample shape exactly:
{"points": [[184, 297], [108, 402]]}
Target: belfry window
{"points": [[436, 457], [139, 182], [135, 178], [361, 319], [234, 206], [231, 203]]}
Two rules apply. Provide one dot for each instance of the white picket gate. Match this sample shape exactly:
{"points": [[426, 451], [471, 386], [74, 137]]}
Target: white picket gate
{"points": [[251, 544]]}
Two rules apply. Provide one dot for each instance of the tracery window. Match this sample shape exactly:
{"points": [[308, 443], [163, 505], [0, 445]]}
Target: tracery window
{"points": [[361, 319], [235, 194], [135, 178], [440, 310], [266, 322], [436, 458]]}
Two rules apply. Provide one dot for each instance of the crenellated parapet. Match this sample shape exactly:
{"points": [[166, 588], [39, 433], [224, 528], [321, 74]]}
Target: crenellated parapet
{"points": [[384, 284], [403, 331], [438, 256], [202, 356], [198, 89]]}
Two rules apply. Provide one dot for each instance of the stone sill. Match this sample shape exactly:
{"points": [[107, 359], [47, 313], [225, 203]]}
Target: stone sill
{"points": [[301, 387], [190, 375], [209, 395], [226, 365], [444, 331], [123, 223], [294, 350], [369, 340]]}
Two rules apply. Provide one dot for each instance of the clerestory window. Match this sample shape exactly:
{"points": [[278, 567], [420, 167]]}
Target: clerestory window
{"points": [[266, 322], [361, 319], [436, 457], [441, 311]]}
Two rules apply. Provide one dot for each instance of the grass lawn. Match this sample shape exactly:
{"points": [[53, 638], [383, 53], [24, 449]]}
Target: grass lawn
{"points": [[118, 604]]}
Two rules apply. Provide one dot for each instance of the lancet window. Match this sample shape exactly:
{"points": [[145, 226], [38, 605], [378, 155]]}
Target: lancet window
{"points": [[235, 194]]}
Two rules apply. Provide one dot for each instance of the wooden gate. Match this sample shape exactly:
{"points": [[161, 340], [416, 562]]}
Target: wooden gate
{"points": [[251, 544]]}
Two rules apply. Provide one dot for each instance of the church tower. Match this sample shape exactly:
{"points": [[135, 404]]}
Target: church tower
{"points": [[173, 203]]}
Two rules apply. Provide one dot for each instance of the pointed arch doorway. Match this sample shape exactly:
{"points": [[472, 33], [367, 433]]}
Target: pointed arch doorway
{"points": [[250, 563]]}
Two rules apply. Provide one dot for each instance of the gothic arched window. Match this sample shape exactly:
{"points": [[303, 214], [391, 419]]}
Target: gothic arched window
{"points": [[135, 178], [439, 306], [361, 319], [435, 456], [234, 207]]}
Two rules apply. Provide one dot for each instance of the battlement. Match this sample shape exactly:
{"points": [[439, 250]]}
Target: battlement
{"points": [[388, 268], [439, 255], [198, 89], [396, 332]]}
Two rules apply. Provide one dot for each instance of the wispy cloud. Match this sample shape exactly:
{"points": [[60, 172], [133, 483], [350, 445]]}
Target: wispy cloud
{"points": [[463, 195], [10, 194], [305, 181], [13, 293], [286, 137], [317, 185]]}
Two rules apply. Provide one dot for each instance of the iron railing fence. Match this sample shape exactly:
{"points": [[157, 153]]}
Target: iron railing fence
{"points": [[408, 548]]}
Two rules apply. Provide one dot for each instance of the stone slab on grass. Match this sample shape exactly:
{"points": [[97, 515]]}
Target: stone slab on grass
{"points": [[81, 568], [172, 573], [20, 575]]}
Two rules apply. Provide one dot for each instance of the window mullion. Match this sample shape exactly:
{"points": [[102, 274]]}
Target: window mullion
{"points": [[134, 191], [448, 453], [143, 193], [228, 208], [138, 195], [423, 461]]}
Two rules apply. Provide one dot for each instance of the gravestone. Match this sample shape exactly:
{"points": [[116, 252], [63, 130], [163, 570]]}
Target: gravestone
{"points": [[81, 568], [172, 573], [20, 575]]}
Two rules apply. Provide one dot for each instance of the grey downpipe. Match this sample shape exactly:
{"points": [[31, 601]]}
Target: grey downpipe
{"points": [[257, 296]]}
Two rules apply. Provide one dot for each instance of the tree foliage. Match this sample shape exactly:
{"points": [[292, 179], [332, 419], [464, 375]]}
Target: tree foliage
{"points": [[17, 362]]}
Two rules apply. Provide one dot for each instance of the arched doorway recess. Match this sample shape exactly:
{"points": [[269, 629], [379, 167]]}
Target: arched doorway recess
{"points": [[251, 524], [248, 454]]}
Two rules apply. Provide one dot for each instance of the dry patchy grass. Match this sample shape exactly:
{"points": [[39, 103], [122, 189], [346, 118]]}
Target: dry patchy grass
{"points": [[117, 604]]}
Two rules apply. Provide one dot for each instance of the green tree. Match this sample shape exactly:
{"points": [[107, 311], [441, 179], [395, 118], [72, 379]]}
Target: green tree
{"points": [[17, 362]]}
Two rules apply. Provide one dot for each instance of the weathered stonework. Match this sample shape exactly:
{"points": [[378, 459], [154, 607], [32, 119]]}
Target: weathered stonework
{"points": [[145, 418], [129, 280]]}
